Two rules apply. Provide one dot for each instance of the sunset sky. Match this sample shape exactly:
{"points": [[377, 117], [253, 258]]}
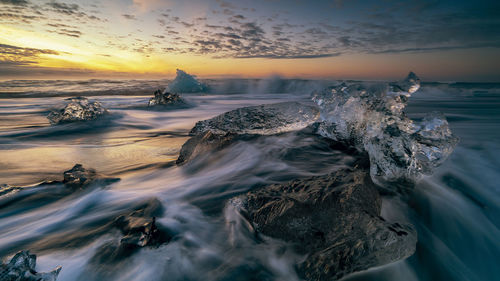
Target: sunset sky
{"points": [[439, 40]]}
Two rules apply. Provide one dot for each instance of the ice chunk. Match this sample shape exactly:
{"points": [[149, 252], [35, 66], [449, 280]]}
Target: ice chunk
{"points": [[22, 267], [372, 119], [166, 98], [264, 119], [186, 83], [77, 109], [247, 122]]}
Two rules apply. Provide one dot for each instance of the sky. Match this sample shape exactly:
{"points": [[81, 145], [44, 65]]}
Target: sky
{"points": [[334, 39]]}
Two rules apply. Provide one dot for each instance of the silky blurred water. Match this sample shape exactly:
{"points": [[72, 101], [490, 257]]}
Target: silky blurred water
{"points": [[456, 210]]}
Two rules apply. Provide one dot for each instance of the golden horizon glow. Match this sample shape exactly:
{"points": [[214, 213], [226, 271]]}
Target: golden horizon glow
{"points": [[128, 43]]}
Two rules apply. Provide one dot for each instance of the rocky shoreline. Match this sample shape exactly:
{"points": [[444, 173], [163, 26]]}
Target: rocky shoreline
{"points": [[333, 220]]}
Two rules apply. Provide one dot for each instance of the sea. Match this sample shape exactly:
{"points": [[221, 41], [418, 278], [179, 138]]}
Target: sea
{"points": [[456, 210]]}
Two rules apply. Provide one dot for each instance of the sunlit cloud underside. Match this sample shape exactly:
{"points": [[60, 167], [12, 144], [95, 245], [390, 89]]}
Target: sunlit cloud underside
{"points": [[335, 39]]}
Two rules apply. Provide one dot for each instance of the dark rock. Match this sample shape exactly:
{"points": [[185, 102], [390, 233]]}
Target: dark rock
{"points": [[141, 232], [22, 268], [77, 109], [78, 176], [246, 123], [166, 98], [333, 219], [139, 229], [206, 142]]}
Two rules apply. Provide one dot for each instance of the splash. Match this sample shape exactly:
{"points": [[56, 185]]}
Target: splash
{"points": [[372, 119], [186, 83]]}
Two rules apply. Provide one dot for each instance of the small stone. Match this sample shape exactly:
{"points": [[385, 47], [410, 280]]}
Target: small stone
{"points": [[166, 98], [139, 229], [78, 176]]}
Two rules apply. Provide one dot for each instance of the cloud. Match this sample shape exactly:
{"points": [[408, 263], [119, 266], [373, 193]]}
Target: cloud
{"points": [[69, 10], [15, 60], [63, 8], [129, 17], [280, 56], [15, 2], [15, 53], [430, 49], [69, 32], [9, 69]]}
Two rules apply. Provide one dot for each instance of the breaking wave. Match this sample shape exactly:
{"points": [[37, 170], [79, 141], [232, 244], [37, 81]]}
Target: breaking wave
{"points": [[186, 83]]}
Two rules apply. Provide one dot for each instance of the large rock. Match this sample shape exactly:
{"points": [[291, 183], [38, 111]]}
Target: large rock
{"points": [[77, 109], [245, 123], [22, 268], [333, 219], [166, 98]]}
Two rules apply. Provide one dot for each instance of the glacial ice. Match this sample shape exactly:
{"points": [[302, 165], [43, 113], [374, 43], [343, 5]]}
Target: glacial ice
{"points": [[372, 119], [22, 267], [77, 109], [267, 119], [186, 83]]}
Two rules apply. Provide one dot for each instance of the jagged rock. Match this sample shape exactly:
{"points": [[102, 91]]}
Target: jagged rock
{"points": [[77, 109], [76, 178], [141, 232], [22, 268], [166, 98], [79, 176], [245, 123], [333, 219], [139, 229], [371, 118]]}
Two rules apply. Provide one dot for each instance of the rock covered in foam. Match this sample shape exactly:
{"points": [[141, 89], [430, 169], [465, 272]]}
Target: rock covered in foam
{"points": [[372, 119], [333, 219], [22, 267], [186, 83], [77, 109], [166, 98], [242, 123]]}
